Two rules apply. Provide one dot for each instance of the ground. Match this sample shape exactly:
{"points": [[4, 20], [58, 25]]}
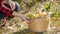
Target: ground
{"points": [[32, 8]]}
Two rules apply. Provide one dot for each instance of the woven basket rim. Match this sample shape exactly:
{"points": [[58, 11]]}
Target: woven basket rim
{"points": [[55, 18]]}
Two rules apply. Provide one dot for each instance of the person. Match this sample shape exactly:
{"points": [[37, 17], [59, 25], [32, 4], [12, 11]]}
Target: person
{"points": [[14, 4], [9, 12]]}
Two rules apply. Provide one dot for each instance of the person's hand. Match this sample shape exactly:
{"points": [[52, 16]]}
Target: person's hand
{"points": [[26, 19], [4, 22], [22, 16], [12, 5]]}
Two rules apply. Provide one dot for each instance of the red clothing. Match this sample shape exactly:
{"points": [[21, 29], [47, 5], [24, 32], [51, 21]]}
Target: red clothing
{"points": [[8, 12]]}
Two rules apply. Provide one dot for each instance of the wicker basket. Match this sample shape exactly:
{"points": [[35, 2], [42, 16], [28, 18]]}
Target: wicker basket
{"points": [[39, 25]]}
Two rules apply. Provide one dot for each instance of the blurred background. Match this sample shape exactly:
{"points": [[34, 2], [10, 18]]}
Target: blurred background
{"points": [[31, 8]]}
